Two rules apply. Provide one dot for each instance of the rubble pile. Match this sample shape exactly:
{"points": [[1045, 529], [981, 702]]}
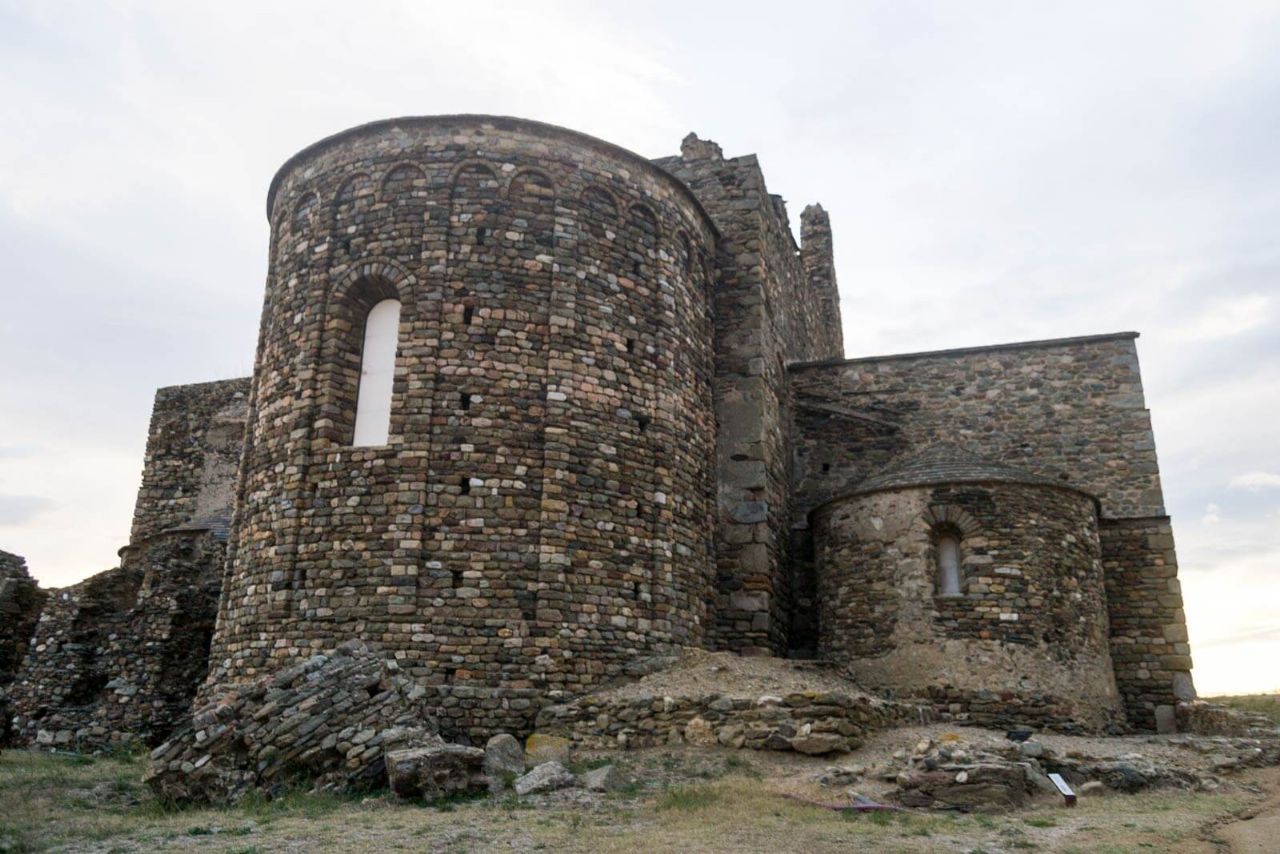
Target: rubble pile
{"points": [[330, 720], [950, 773]]}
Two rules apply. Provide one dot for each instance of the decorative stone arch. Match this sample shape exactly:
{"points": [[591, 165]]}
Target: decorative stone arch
{"points": [[543, 188], [304, 213], [644, 219], [472, 166], [947, 515], [685, 247], [599, 199], [381, 275], [353, 189], [601, 209], [399, 177], [531, 196], [473, 187]]}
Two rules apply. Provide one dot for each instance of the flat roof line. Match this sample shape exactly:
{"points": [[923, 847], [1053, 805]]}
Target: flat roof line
{"points": [[960, 351]]}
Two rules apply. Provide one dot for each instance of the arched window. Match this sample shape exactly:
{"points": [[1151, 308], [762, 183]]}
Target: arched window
{"points": [[377, 371], [948, 555]]}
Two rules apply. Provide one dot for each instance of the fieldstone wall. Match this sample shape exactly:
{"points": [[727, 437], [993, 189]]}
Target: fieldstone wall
{"points": [[775, 303], [540, 514], [1072, 406], [117, 658], [810, 722], [1031, 622], [193, 453], [21, 601], [1148, 624]]}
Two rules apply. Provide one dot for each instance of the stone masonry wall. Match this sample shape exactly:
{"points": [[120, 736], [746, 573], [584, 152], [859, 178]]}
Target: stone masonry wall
{"points": [[1148, 625], [774, 304], [806, 722], [540, 515], [193, 453], [21, 601], [1072, 406], [1031, 618], [117, 658]]}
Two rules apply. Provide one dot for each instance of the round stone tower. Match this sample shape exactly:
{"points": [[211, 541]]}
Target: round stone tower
{"points": [[973, 583], [481, 427]]}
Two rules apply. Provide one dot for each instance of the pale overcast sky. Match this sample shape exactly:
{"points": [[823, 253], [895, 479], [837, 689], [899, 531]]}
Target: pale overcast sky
{"points": [[994, 172]]}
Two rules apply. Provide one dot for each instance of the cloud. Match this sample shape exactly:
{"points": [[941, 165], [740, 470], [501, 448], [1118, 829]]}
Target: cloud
{"points": [[1212, 515], [1255, 481], [20, 509], [1227, 318]]}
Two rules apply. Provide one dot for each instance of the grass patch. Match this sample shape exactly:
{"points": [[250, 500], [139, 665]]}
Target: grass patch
{"points": [[1041, 822], [582, 766], [687, 798]]}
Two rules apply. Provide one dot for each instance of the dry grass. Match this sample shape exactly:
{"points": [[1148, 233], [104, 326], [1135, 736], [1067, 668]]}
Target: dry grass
{"points": [[706, 803], [1266, 704]]}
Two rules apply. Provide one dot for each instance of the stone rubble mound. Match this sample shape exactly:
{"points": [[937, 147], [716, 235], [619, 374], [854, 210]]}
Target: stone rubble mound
{"points": [[955, 775], [330, 722]]}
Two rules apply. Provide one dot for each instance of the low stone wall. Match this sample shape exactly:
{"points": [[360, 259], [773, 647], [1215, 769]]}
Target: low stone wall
{"points": [[809, 722], [471, 714], [1004, 709], [1201, 718]]}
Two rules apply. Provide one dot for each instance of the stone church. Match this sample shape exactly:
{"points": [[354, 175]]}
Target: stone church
{"points": [[528, 409]]}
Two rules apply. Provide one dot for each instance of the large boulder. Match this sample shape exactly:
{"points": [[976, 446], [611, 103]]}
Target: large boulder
{"points": [[503, 761], [606, 778], [436, 772]]}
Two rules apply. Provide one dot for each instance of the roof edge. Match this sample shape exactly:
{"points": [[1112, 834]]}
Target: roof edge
{"points": [[1043, 343], [855, 492], [420, 121]]}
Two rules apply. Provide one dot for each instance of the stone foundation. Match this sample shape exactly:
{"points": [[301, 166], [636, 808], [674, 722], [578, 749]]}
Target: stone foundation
{"points": [[809, 722]]}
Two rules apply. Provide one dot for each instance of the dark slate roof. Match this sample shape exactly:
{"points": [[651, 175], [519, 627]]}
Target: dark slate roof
{"points": [[946, 463]]}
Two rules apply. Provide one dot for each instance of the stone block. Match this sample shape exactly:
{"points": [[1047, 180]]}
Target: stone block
{"points": [[546, 777], [437, 772]]}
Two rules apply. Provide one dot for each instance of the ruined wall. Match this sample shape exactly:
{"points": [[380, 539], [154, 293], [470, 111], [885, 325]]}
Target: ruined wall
{"points": [[193, 452], [1148, 625], [117, 658], [775, 303], [1031, 620], [21, 601], [539, 516]]}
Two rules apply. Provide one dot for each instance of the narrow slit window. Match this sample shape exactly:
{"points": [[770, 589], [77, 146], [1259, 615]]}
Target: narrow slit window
{"points": [[377, 373], [948, 565]]}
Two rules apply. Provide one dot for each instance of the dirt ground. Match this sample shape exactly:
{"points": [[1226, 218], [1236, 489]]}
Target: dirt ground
{"points": [[688, 799]]}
